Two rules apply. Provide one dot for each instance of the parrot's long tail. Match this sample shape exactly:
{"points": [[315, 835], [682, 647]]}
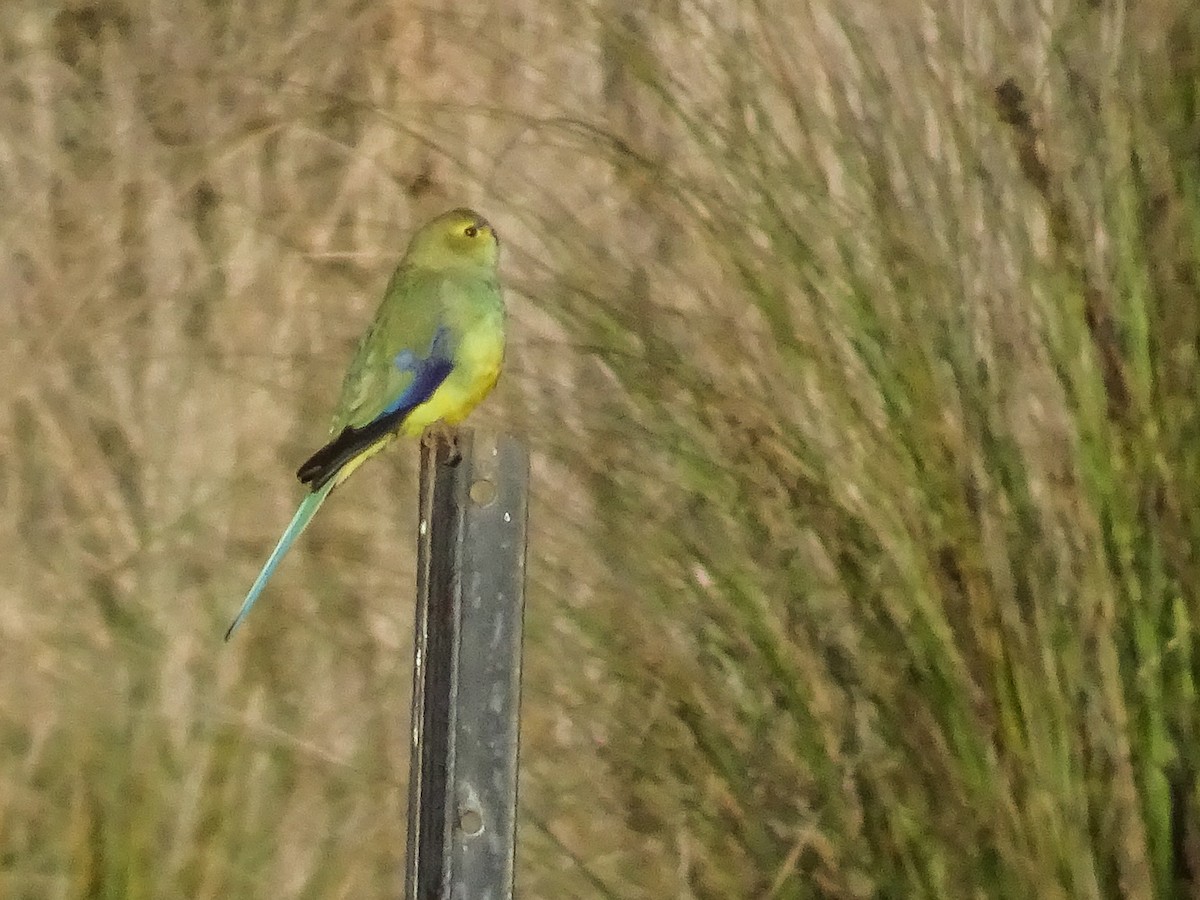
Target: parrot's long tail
{"points": [[299, 522]]}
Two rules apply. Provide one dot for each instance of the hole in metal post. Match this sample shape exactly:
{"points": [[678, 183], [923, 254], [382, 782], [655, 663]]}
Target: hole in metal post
{"points": [[470, 821], [483, 492]]}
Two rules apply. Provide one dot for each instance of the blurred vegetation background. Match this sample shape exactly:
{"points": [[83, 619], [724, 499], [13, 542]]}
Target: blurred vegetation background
{"points": [[856, 345]]}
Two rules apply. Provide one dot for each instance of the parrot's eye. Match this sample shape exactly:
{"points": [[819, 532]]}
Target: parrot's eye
{"points": [[471, 231]]}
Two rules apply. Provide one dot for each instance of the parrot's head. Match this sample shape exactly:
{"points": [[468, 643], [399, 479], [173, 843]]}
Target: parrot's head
{"points": [[459, 239]]}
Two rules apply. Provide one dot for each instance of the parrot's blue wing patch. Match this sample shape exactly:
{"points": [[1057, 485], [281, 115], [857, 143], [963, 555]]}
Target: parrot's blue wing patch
{"points": [[427, 378], [428, 374]]}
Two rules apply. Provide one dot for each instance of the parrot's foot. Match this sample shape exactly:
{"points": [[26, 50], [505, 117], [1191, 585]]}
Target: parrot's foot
{"points": [[440, 432]]}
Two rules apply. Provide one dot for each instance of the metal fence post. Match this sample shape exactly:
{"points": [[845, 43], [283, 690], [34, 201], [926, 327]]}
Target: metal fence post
{"points": [[467, 668]]}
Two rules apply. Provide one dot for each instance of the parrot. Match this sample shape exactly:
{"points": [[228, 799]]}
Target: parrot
{"points": [[432, 353]]}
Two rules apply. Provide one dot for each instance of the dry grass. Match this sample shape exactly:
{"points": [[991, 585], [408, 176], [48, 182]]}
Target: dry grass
{"points": [[857, 348]]}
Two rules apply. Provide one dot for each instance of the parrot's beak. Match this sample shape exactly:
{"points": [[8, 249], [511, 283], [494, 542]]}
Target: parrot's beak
{"points": [[484, 225]]}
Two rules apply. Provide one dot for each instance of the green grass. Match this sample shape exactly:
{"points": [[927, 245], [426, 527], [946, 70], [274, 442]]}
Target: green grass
{"points": [[857, 351]]}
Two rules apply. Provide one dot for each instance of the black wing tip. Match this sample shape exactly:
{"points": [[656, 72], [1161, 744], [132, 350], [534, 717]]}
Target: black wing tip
{"points": [[323, 464], [329, 460], [309, 471]]}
